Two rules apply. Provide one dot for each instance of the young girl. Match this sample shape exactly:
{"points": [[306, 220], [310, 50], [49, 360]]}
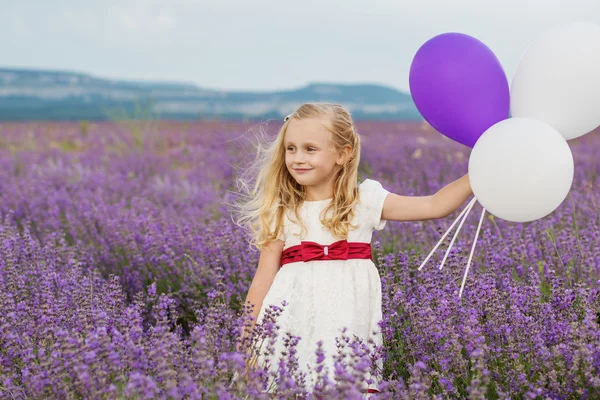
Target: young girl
{"points": [[313, 223]]}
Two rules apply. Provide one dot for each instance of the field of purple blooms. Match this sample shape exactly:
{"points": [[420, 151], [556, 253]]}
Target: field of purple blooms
{"points": [[123, 276]]}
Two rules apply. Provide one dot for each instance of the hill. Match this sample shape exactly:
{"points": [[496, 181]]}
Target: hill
{"points": [[27, 94]]}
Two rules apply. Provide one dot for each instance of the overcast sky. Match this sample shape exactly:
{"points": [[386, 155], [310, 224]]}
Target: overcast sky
{"points": [[265, 44]]}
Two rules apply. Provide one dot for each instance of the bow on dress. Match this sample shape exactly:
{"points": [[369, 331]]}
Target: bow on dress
{"points": [[315, 251]]}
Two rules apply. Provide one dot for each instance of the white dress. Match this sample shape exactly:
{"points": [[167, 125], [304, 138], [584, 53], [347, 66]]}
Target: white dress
{"points": [[325, 295]]}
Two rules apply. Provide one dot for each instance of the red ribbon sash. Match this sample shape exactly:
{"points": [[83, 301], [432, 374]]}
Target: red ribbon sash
{"points": [[340, 250]]}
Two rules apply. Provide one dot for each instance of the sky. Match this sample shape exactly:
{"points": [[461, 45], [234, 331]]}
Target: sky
{"points": [[263, 45]]}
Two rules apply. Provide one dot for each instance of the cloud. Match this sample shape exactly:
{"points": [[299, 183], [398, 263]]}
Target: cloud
{"points": [[142, 17], [264, 44]]}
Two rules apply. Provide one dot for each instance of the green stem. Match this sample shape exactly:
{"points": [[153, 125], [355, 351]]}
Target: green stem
{"points": [[553, 241], [576, 227]]}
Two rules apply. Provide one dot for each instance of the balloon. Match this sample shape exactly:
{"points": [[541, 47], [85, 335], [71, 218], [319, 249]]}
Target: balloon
{"points": [[521, 169], [558, 80], [459, 87]]}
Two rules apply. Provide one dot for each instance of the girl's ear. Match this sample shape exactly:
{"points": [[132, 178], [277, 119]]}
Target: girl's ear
{"points": [[343, 155]]}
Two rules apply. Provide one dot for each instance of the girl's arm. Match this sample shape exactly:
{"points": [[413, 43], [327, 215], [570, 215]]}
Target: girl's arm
{"points": [[417, 208], [452, 196], [268, 265]]}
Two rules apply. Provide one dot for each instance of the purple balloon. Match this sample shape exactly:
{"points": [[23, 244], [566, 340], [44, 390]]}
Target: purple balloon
{"points": [[459, 86]]}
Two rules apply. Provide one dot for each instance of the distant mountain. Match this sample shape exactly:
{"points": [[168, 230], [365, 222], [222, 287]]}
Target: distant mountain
{"points": [[27, 94]]}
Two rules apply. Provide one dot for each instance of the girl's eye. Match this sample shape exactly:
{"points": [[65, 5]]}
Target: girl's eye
{"points": [[310, 148]]}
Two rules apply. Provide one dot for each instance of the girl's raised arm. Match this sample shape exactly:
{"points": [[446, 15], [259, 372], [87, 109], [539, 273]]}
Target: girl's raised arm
{"points": [[418, 208]]}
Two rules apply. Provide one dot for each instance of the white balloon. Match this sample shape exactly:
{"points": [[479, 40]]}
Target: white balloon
{"points": [[558, 80], [521, 169]]}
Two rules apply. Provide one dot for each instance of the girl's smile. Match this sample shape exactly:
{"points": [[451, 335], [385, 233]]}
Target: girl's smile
{"points": [[301, 171]]}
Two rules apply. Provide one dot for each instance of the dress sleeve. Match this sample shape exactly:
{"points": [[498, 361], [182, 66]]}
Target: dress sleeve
{"points": [[281, 230], [373, 195]]}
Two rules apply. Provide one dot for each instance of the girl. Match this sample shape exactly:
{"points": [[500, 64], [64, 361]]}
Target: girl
{"points": [[313, 223]]}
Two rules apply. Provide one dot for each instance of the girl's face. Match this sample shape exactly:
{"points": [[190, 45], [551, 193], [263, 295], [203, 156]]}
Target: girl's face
{"points": [[309, 148]]}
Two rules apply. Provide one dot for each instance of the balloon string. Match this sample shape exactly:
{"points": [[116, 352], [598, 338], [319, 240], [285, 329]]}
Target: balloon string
{"points": [[464, 218], [471, 255], [446, 234]]}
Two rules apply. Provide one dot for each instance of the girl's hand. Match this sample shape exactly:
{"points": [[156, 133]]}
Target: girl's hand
{"points": [[250, 367], [246, 374]]}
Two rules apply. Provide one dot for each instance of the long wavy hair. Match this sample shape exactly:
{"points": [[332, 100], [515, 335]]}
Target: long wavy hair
{"points": [[269, 192]]}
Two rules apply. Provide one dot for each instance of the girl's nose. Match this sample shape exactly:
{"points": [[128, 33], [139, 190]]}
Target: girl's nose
{"points": [[300, 157]]}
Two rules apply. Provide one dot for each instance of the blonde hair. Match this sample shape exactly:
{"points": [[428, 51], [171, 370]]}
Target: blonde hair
{"points": [[270, 190]]}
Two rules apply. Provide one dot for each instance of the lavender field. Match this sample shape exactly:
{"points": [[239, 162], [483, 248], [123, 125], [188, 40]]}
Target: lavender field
{"points": [[122, 274]]}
